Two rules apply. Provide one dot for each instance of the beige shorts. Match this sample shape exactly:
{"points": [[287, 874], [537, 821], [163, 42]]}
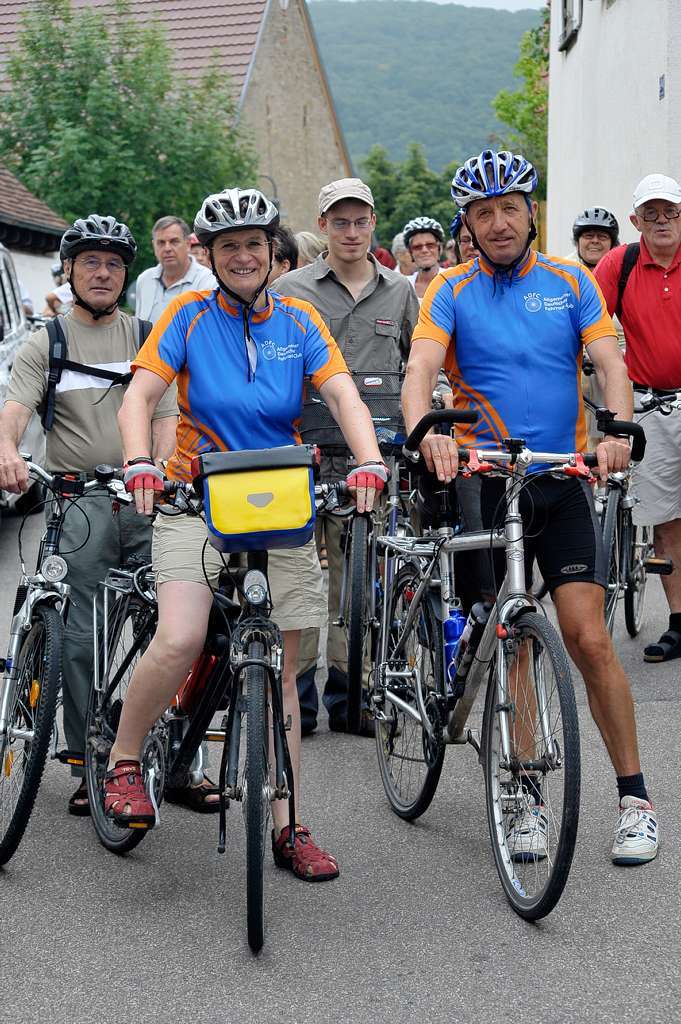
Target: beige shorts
{"points": [[656, 481], [179, 553]]}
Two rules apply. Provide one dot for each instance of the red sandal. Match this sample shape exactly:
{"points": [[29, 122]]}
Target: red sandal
{"points": [[306, 860], [124, 786]]}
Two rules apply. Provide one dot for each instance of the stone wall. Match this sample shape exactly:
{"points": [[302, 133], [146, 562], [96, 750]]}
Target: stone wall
{"points": [[287, 110]]}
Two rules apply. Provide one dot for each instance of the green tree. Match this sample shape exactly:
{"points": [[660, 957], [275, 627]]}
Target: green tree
{"points": [[526, 110], [408, 189], [97, 119]]}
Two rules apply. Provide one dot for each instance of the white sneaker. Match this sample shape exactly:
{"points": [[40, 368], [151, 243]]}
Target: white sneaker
{"points": [[636, 834], [526, 837]]}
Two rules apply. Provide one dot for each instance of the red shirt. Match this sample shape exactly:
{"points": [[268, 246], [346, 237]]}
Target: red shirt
{"points": [[651, 315]]}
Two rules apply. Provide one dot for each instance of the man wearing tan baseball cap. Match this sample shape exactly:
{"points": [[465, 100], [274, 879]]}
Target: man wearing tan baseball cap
{"points": [[641, 282], [371, 312]]}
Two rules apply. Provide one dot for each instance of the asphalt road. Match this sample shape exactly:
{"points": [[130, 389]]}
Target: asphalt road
{"points": [[415, 929]]}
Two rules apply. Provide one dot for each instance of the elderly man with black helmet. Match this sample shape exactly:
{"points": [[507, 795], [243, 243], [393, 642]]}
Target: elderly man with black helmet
{"points": [[96, 253], [510, 327], [240, 354]]}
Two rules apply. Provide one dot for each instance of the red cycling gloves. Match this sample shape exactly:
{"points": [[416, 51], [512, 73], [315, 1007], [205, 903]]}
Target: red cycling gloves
{"points": [[369, 474], [141, 473]]}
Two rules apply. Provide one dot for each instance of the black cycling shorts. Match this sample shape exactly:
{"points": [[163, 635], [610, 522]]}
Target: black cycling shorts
{"points": [[561, 529]]}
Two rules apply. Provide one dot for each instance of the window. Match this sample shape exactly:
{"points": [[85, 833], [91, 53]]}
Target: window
{"points": [[571, 20]]}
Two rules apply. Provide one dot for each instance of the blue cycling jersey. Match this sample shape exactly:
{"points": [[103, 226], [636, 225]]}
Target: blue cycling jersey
{"points": [[514, 347], [233, 395]]}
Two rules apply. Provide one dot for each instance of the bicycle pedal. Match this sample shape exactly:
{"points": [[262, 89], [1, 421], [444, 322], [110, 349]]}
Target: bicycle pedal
{"points": [[70, 757], [659, 566]]}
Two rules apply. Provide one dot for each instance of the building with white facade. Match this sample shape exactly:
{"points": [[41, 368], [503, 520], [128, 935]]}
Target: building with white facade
{"points": [[614, 106]]}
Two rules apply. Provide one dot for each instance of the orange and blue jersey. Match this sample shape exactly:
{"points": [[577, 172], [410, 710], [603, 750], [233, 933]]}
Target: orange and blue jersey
{"points": [[514, 347], [229, 400]]}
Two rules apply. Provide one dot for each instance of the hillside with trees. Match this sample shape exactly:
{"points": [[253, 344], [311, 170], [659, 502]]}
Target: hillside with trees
{"points": [[404, 72]]}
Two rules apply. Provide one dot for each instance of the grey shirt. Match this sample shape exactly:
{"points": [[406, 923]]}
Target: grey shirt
{"points": [[152, 296], [374, 331]]}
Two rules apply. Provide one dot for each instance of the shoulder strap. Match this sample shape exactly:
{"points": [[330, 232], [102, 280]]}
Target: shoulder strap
{"points": [[57, 356], [629, 261], [143, 331]]}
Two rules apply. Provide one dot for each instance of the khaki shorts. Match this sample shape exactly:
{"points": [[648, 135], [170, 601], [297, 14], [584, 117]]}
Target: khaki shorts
{"points": [[179, 553], [656, 481]]}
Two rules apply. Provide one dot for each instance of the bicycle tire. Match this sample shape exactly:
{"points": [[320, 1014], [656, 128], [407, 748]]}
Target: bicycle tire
{"points": [[533, 881], [612, 543], [356, 619], [636, 543], [131, 626], [39, 663], [410, 766], [256, 796]]}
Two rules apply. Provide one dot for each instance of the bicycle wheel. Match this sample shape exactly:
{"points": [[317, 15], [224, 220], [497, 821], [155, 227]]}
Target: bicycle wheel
{"points": [[410, 761], [612, 543], [130, 628], [637, 546], [357, 617], [532, 786], [35, 702], [256, 798]]}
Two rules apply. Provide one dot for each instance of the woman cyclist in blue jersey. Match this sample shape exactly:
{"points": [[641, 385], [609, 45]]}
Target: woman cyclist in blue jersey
{"points": [[240, 354]]}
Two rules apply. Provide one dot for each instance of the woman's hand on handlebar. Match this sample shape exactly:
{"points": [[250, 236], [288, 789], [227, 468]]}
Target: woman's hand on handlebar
{"points": [[145, 480], [614, 456], [441, 456], [365, 482]]}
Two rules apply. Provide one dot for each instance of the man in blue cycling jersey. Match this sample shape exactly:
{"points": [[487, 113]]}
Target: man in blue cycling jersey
{"points": [[510, 327]]}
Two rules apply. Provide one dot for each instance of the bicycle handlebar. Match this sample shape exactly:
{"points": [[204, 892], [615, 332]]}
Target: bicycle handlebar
{"points": [[410, 448], [607, 424]]}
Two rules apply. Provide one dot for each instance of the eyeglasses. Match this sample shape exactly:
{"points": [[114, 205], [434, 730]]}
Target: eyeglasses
{"points": [[253, 245], [670, 213], [92, 265], [342, 224], [427, 246]]}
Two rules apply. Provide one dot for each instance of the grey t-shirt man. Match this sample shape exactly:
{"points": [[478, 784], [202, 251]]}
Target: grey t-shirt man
{"points": [[152, 296], [374, 331], [85, 432]]}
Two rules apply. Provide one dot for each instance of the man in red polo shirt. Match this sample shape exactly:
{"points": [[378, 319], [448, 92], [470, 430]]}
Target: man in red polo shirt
{"points": [[650, 314]]}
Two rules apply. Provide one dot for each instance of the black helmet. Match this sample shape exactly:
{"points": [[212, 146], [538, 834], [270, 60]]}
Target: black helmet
{"points": [[95, 232], [422, 224], [596, 218]]}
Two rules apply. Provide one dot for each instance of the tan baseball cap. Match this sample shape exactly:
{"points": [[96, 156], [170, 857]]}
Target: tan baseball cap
{"points": [[344, 188], [657, 186]]}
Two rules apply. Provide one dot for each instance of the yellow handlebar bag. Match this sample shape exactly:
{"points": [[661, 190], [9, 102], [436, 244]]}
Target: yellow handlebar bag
{"points": [[257, 500]]}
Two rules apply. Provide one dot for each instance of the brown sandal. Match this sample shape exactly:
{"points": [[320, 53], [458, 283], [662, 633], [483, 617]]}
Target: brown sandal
{"points": [[306, 860], [124, 787], [195, 798], [79, 804]]}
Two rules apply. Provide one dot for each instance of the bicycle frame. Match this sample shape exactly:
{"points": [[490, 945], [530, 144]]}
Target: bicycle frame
{"points": [[511, 600]]}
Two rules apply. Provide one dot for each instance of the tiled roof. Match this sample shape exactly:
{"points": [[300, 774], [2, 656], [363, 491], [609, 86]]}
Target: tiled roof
{"points": [[203, 33], [19, 206]]}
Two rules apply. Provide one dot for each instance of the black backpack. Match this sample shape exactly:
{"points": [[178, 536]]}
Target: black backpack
{"points": [[58, 362], [629, 261]]}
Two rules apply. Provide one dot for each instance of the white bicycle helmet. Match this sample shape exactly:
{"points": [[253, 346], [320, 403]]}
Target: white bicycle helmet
{"points": [[492, 174], [422, 224], [232, 210]]}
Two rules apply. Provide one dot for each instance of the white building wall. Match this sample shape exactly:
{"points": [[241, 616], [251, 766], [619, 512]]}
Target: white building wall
{"points": [[33, 271], [608, 126]]}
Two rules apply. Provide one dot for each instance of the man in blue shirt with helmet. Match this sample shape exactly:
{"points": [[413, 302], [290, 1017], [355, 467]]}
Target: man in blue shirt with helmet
{"points": [[510, 327]]}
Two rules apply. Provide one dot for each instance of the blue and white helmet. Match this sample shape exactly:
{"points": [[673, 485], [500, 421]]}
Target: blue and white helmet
{"points": [[492, 174]]}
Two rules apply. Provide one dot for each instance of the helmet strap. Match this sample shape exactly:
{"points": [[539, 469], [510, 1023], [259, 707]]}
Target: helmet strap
{"points": [[97, 314], [239, 299]]}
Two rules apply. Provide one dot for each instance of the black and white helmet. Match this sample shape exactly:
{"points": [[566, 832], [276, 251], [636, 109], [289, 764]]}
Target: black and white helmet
{"points": [[232, 210], [95, 232], [596, 218], [421, 224]]}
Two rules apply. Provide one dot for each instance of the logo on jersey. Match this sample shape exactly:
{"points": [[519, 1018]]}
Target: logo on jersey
{"points": [[269, 350], [533, 302], [570, 570], [556, 302]]}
